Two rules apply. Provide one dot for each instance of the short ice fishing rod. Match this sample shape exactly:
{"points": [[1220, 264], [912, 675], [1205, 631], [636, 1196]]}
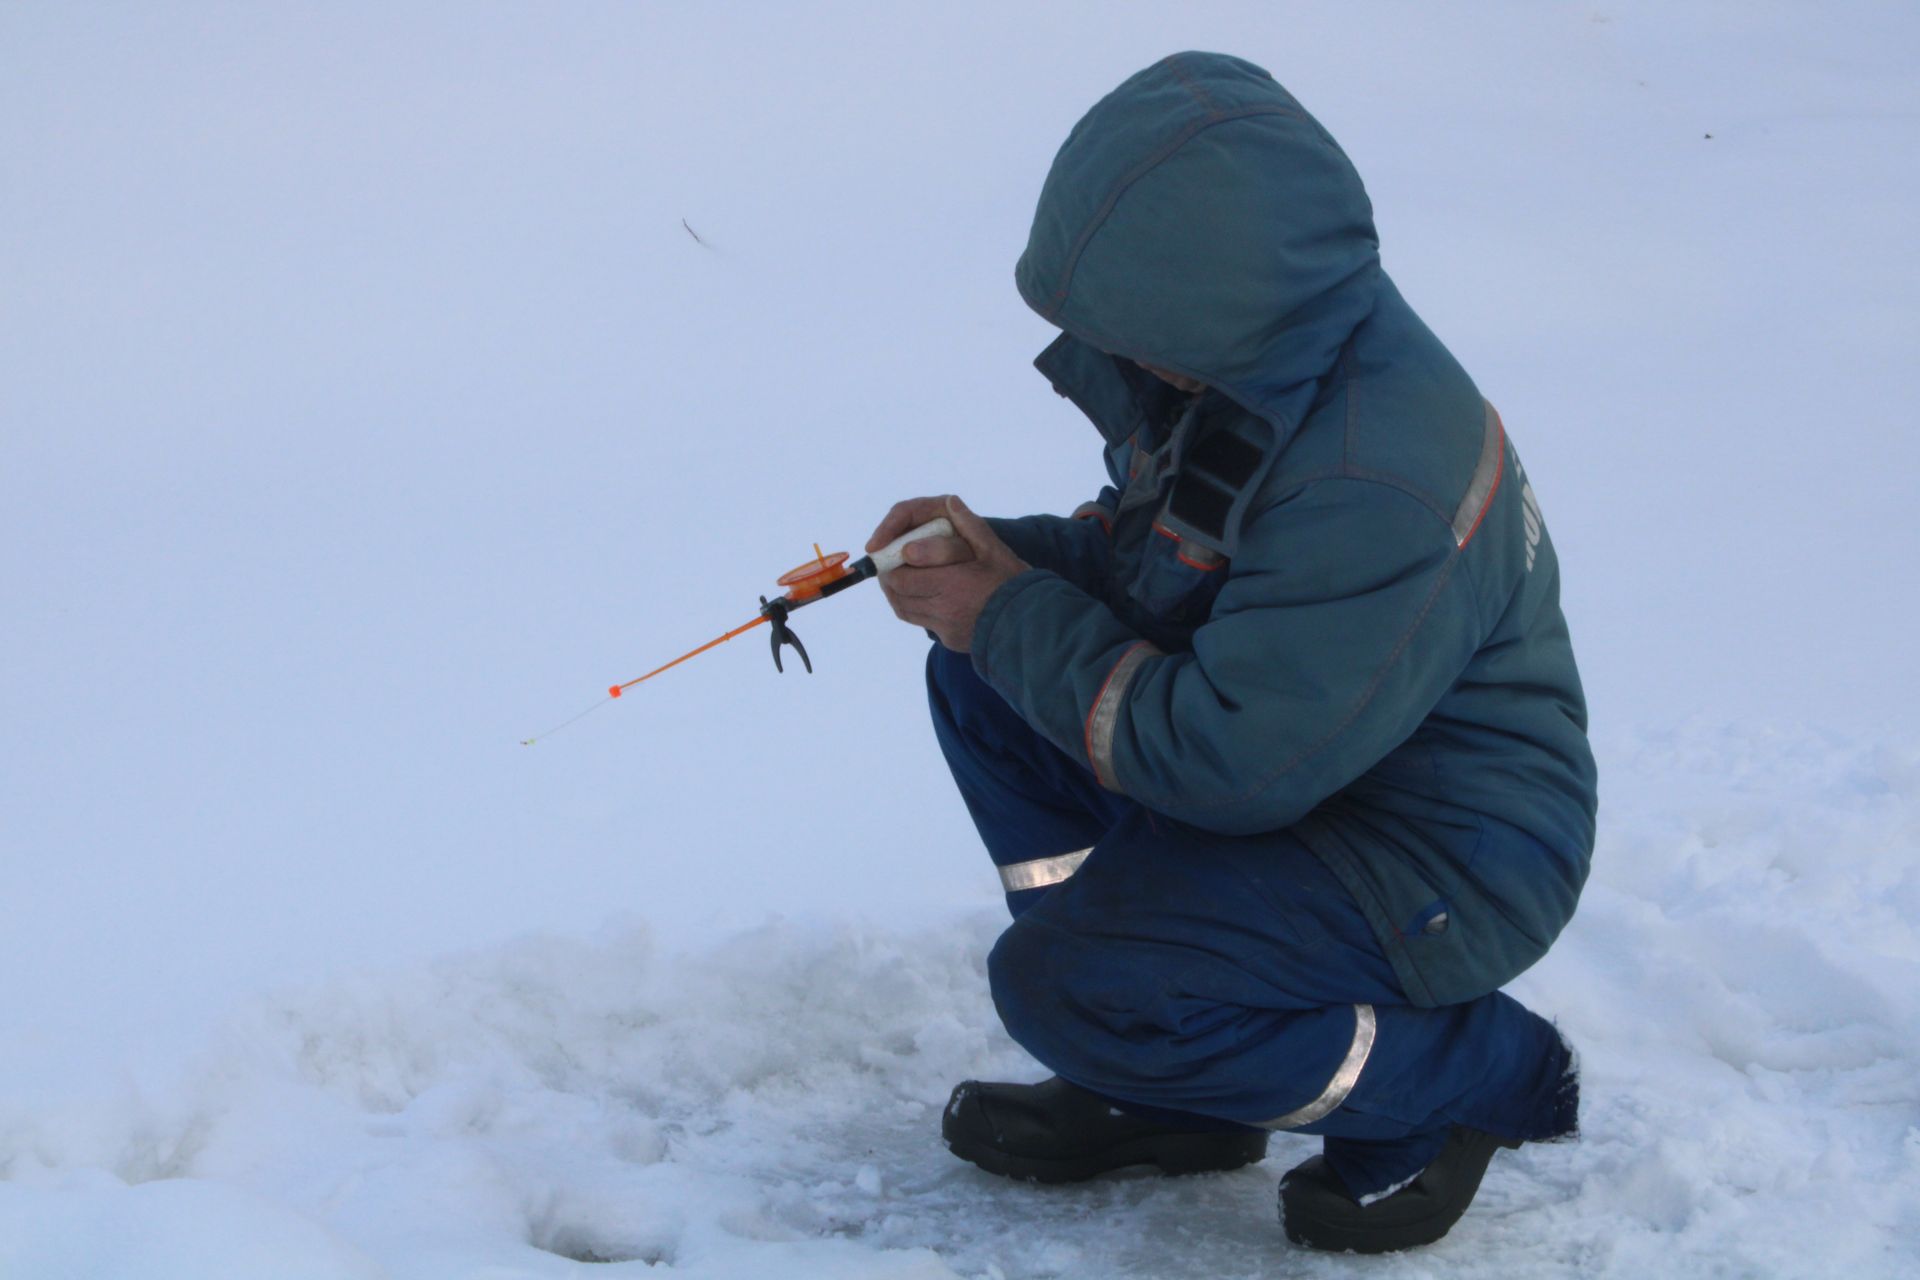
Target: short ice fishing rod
{"points": [[827, 574]]}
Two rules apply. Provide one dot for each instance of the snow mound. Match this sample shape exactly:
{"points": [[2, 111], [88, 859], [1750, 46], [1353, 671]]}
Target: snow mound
{"points": [[551, 1102], [1743, 982]]}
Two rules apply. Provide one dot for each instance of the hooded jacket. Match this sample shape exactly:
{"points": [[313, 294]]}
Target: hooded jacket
{"points": [[1319, 597]]}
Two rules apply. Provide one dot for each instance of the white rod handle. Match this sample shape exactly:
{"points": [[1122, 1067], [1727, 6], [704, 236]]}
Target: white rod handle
{"points": [[888, 557]]}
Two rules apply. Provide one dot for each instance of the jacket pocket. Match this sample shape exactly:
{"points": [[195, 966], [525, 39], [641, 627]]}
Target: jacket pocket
{"points": [[1177, 579]]}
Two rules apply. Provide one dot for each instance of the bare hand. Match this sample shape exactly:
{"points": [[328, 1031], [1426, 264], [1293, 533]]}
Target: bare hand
{"points": [[945, 582]]}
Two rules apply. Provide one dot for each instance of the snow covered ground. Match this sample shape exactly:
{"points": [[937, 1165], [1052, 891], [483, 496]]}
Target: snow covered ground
{"points": [[1743, 983], [359, 386]]}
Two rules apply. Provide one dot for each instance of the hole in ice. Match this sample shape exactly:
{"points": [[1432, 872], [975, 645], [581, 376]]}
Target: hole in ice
{"points": [[581, 1246]]}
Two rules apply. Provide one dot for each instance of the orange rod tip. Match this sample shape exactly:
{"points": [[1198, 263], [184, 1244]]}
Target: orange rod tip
{"points": [[613, 691]]}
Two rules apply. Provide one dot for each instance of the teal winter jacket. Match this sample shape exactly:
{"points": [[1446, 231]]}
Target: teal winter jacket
{"points": [[1317, 597]]}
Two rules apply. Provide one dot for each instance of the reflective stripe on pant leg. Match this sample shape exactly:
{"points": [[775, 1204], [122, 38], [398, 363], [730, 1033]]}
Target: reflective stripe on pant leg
{"points": [[1345, 1076], [1041, 872]]}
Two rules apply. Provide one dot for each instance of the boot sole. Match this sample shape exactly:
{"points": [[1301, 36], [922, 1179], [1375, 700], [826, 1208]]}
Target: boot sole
{"points": [[1353, 1237], [1174, 1154], [1324, 1238]]}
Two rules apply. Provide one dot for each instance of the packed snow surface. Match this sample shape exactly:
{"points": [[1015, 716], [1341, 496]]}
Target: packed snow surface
{"points": [[1743, 983]]}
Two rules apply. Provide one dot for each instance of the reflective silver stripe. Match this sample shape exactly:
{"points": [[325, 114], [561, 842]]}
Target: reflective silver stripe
{"points": [[1041, 872], [1344, 1078], [1486, 480], [1105, 715]]}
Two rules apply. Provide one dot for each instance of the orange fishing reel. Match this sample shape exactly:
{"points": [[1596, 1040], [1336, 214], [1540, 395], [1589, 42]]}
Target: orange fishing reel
{"points": [[805, 584], [827, 574], [809, 582]]}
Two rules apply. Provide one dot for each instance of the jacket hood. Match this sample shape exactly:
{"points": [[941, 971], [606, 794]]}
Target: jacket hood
{"points": [[1198, 219]]}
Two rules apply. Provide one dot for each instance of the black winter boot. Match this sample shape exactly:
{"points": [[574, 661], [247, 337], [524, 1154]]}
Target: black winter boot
{"points": [[1318, 1212], [1057, 1132]]}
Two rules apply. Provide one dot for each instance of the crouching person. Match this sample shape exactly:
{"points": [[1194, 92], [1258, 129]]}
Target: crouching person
{"points": [[1278, 744]]}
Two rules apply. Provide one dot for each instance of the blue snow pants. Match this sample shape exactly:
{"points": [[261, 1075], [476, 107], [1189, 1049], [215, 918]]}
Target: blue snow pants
{"points": [[1224, 978]]}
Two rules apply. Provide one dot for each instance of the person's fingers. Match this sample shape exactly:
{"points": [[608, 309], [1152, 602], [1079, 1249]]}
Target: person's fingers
{"points": [[891, 526], [977, 532], [928, 553], [909, 583], [916, 612], [901, 602], [902, 516]]}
